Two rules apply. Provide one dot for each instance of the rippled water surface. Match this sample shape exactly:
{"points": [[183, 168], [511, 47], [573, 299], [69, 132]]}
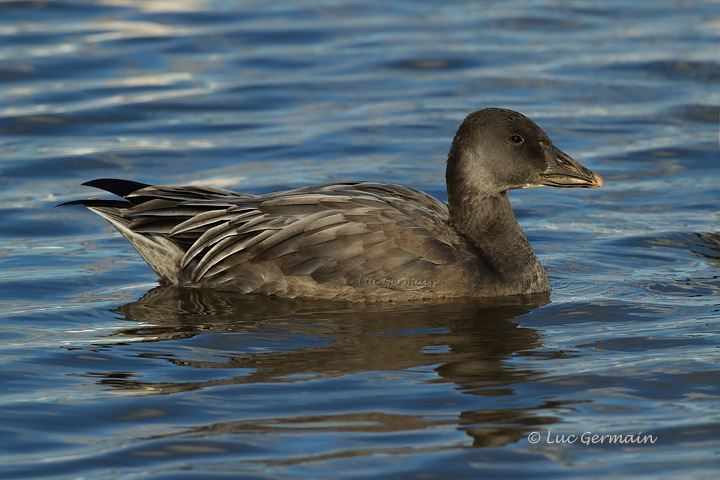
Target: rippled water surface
{"points": [[106, 375]]}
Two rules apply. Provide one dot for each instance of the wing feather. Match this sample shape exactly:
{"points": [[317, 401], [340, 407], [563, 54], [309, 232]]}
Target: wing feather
{"points": [[202, 220], [367, 234], [228, 246]]}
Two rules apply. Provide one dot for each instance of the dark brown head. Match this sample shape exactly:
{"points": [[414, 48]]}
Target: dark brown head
{"points": [[496, 150]]}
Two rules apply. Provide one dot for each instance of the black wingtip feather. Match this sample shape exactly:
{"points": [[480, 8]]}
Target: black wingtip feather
{"points": [[96, 203], [119, 187]]}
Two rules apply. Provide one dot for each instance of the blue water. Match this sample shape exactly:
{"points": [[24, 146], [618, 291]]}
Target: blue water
{"points": [[105, 375]]}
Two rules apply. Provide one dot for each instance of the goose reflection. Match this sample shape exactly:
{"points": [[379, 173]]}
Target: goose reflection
{"points": [[269, 340]]}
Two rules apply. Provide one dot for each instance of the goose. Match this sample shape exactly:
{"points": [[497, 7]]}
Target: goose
{"points": [[357, 241]]}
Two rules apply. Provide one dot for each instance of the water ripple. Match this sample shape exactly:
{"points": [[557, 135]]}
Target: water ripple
{"points": [[106, 376]]}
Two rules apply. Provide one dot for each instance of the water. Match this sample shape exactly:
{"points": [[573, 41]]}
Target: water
{"points": [[105, 375]]}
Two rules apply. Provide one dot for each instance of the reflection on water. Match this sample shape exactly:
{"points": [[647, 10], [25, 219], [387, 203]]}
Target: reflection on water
{"points": [[258, 340]]}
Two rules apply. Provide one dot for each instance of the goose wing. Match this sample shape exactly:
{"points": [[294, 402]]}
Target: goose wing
{"points": [[361, 234], [365, 235]]}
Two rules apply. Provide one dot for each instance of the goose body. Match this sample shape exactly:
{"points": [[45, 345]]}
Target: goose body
{"points": [[357, 241]]}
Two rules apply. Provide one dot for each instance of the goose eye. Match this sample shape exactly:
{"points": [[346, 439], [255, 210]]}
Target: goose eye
{"points": [[516, 139]]}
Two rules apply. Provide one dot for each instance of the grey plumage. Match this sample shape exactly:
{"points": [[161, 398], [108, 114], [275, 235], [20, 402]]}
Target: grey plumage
{"points": [[358, 240]]}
